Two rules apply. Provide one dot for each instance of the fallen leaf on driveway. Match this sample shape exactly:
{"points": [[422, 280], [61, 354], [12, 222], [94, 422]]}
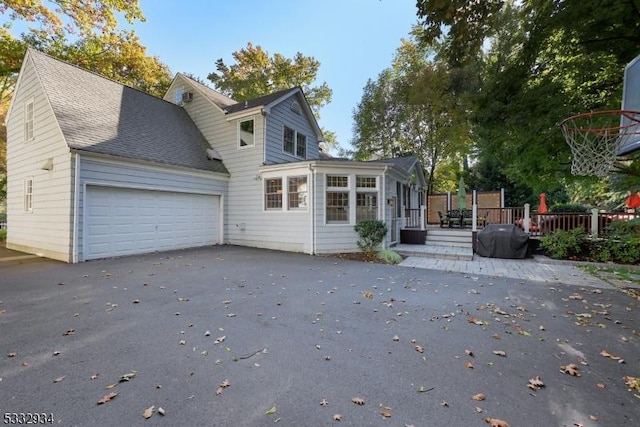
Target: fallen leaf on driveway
{"points": [[500, 353], [270, 411], [57, 380], [479, 397], [601, 386], [475, 321], [632, 382], [69, 332], [358, 401], [535, 383], [107, 398], [419, 348], [148, 412], [324, 402], [160, 410], [220, 339], [12, 354], [468, 365], [368, 294], [385, 415], [571, 369], [224, 384], [469, 353], [129, 376], [494, 422], [337, 417], [605, 353]]}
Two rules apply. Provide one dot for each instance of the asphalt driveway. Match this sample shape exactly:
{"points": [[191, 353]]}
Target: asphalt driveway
{"points": [[230, 336]]}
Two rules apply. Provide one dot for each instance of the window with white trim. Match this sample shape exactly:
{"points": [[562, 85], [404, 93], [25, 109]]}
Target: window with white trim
{"points": [[294, 143], [246, 133], [366, 198], [28, 120], [177, 95], [298, 191], [28, 194], [273, 193], [337, 203]]}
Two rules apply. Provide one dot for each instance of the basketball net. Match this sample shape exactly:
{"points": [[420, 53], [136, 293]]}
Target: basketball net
{"points": [[596, 137]]}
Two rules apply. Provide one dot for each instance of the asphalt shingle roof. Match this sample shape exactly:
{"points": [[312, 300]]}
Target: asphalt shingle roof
{"points": [[403, 163], [102, 116], [257, 102], [217, 98]]}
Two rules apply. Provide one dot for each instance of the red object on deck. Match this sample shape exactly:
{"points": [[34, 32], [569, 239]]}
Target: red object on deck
{"points": [[633, 201], [542, 207]]}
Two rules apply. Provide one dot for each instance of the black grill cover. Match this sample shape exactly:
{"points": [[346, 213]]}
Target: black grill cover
{"points": [[502, 241]]}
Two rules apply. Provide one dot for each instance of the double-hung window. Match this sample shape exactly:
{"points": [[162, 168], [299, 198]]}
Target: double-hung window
{"points": [[337, 199], [28, 120], [294, 143], [297, 192], [366, 198], [28, 194], [246, 133], [273, 193]]}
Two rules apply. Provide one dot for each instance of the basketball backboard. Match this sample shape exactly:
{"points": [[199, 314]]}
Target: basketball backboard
{"points": [[630, 101]]}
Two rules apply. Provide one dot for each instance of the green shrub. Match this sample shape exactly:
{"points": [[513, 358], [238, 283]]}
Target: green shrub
{"points": [[568, 207], [563, 244], [3, 217], [389, 256], [621, 243], [371, 234], [3, 235]]}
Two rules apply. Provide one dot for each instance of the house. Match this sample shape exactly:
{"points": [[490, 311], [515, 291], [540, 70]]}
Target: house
{"points": [[97, 169]]}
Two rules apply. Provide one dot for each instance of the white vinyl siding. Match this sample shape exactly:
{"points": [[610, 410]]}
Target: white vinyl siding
{"points": [[47, 229]]}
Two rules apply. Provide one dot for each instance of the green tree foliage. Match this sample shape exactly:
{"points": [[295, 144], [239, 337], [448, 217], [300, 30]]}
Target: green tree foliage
{"points": [[543, 61], [255, 73], [417, 106]]}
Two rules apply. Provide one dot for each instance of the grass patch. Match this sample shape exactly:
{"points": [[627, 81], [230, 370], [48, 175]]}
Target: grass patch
{"points": [[389, 256], [3, 235], [631, 275]]}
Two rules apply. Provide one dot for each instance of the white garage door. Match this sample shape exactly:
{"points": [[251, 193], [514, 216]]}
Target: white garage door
{"points": [[122, 221]]}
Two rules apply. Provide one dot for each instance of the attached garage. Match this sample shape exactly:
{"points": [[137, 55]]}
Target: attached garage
{"points": [[122, 221]]}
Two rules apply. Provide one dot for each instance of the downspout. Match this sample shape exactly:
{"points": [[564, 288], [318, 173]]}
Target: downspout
{"points": [[312, 217], [383, 199], [263, 112], [76, 197]]}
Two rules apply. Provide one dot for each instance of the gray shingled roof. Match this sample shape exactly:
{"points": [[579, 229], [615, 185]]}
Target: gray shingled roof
{"points": [[257, 102], [403, 163], [101, 116]]}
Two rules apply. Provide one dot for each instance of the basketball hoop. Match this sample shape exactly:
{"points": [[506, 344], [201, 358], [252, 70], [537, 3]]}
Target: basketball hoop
{"points": [[596, 137]]}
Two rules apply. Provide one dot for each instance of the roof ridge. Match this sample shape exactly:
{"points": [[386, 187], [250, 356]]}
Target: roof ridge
{"points": [[32, 50]]}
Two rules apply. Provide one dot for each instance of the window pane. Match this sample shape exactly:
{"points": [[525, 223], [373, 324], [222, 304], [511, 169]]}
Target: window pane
{"points": [[366, 181], [366, 206], [287, 140], [337, 181], [301, 146], [246, 133], [337, 207], [298, 192], [273, 193]]}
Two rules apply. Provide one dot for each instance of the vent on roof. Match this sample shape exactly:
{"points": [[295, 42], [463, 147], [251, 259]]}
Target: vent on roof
{"points": [[212, 154], [187, 96]]}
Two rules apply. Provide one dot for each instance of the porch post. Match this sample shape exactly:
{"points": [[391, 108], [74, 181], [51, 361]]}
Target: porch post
{"points": [[403, 218], [474, 218], [594, 223], [526, 220], [423, 209]]}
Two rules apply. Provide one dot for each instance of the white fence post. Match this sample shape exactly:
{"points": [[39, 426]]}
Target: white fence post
{"points": [[594, 223], [527, 220], [423, 209], [474, 217]]}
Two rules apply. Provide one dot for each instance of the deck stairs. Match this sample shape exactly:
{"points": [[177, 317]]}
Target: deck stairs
{"points": [[442, 243]]}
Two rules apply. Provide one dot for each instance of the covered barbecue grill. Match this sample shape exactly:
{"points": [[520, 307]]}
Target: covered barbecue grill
{"points": [[502, 241]]}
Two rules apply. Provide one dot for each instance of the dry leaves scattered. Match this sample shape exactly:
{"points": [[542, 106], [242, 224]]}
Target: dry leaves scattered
{"points": [[606, 353], [358, 401], [479, 397], [337, 417], [148, 412], [59, 379], [368, 294], [468, 365], [535, 383], [419, 348], [107, 398], [494, 422], [469, 353], [224, 384], [500, 353], [324, 402], [632, 382], [571, 369]]}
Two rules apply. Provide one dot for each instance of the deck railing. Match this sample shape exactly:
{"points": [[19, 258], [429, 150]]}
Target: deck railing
{"points": [[414, 218]]}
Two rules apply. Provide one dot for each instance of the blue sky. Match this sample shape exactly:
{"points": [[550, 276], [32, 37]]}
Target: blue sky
{"points": [[354, 40]]}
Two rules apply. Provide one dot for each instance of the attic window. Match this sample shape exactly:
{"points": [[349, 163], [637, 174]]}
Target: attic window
{"points": [[28, 120], [177, 95], [295, 107]]}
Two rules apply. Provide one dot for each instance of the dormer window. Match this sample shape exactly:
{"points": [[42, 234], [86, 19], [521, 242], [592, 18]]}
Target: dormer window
{"points": [[246, 133], [177, 95]]}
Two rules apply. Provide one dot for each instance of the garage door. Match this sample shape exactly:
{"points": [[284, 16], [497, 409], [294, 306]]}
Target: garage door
{"points": [[126, 221]]}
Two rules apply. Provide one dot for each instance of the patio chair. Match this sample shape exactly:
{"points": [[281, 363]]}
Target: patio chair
{"points": [[455, 218], [443, 219], [467, 218]]}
